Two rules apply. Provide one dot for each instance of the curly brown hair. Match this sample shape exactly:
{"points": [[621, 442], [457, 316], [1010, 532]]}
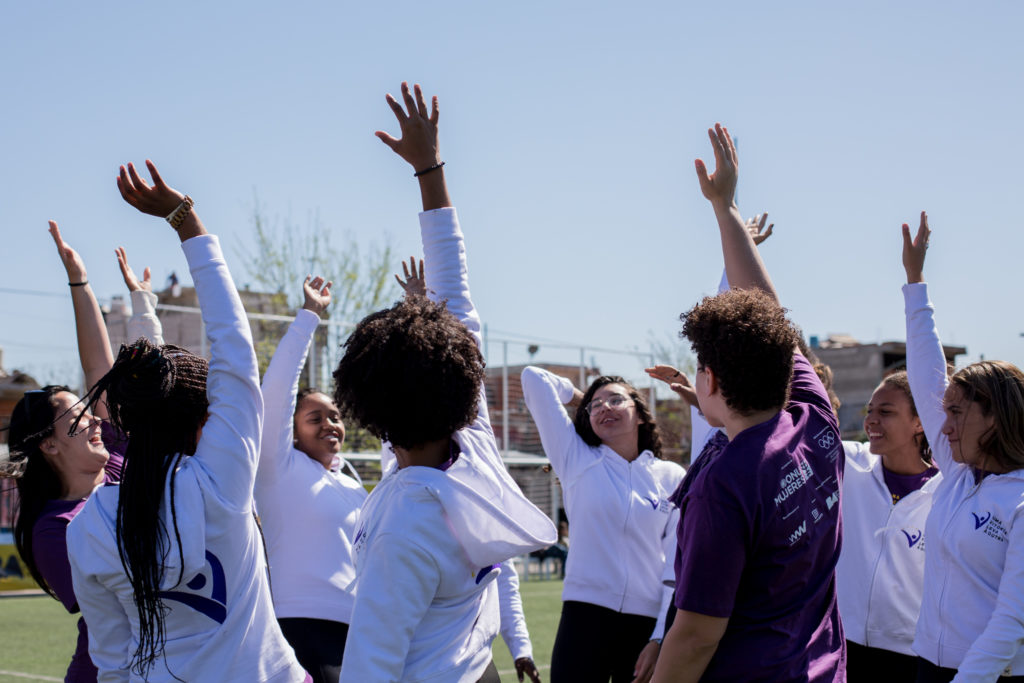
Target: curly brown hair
{"points": [[411, 374], [744, 337], [648, 438]]}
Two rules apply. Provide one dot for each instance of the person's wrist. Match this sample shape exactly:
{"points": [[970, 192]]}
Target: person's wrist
{"points": [[915, 277], [724, 205]]}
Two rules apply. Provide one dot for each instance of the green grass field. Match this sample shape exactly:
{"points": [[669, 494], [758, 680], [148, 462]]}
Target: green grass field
{"points": [[37, 636]]}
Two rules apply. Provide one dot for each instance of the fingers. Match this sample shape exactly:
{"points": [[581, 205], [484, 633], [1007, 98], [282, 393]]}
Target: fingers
{"points": [[421, 269], [137, 180], [155, 175], [717, 147], [387, 140], [433, 110], [907, 244], [768, 232], [400, 281], [326, 291], [730, 146], [421, 106], [55, 234], [146, 275], [702, 176], [410, 103], [923, 231], [760, 223], [397, 109]]}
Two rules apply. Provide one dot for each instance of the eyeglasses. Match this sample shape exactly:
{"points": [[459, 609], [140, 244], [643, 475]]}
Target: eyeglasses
{"points": [[614, 401]]}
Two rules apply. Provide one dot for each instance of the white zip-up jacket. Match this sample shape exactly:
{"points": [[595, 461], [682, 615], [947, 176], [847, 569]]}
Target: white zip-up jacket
{"points": [[619, 512], [430, 541], [880, 575], [219, 621], [973, 603], [309, 513]]}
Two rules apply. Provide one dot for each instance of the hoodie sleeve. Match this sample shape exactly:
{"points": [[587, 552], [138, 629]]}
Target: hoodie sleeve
{"points": [[545, 393], [513, 621], [397, 582], [228, 449], [280, 387], [144, 322], [998, 644], [110, 634], [926, 370]]}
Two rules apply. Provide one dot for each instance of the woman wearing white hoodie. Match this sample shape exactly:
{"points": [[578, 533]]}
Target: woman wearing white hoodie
{"points": [[308, 498], [433, 532], [168, 567], [970, 626]]}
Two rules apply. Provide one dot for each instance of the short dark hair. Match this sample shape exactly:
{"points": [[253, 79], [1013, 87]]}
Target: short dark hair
{"points": [[744, 337], [410, 374], [648, 438]]}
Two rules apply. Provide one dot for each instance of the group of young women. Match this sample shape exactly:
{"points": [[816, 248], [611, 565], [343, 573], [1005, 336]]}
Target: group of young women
{"points": [[207, 527]]}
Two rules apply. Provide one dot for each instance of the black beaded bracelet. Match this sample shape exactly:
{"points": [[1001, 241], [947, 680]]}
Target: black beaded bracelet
{"points": [[83, 283], [425, 171]]}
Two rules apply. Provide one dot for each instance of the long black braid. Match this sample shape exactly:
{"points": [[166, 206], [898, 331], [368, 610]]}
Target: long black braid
{"points": [[157, 396]]}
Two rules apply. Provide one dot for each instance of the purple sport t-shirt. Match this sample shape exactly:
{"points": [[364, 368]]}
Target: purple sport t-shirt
{"points": [[759, 539], [50, 551]]}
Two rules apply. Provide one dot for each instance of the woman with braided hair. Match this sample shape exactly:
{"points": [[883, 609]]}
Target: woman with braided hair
{"points": [[168, 567], [56, 467]]}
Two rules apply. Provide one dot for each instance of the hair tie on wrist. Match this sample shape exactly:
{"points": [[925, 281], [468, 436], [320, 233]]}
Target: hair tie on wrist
{"points": [[425, 171], [83, 283]]}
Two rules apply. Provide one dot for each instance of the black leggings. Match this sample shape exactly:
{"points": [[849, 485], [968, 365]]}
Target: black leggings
{"points": [[319, 645], [870, 664], [929, 673], [595, 643]]}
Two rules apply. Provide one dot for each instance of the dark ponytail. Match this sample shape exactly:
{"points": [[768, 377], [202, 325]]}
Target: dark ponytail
{"points": [[157, 396]]}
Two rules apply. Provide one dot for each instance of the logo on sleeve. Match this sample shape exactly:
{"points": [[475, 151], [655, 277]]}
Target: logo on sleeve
{"points": [[912, 538], [215, 606]]}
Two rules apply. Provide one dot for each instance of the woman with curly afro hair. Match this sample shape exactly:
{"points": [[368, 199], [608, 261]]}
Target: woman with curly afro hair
{"points": [[759, 535], [433, 532]]}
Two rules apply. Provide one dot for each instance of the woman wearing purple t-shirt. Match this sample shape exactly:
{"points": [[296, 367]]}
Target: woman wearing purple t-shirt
{"points": [[57, 467]]}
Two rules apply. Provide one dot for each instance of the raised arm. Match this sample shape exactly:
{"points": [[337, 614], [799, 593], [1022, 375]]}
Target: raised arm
{"points": [[926, 362], [742, 262], [144, 321], [93, 343], [229, 446], [281, 380]]}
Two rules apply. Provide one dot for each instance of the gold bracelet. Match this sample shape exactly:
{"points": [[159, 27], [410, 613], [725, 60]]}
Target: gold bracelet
{"points": [[178, 216]]}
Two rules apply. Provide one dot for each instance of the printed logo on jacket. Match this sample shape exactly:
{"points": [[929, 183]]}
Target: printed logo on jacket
{"points": [[991, 526], [215, 606]]}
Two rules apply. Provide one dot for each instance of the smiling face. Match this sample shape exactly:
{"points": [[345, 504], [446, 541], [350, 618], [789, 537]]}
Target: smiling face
{"points": [[965, 426], [319, 431], [890, 422], [609, 421], [82, 453]]}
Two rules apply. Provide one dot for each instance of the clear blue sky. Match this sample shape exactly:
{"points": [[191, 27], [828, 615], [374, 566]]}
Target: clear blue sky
{"points": [[569, 130]]}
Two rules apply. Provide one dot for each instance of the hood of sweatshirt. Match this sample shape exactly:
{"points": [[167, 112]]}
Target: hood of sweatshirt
{"points": [[485, 509]]}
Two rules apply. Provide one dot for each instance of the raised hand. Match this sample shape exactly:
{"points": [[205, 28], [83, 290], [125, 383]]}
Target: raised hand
{"points": [[676, 381], [317, 294], [414, 284], [914, 250], [720, 186], [755, 226], [418, 144], [73, 263], [128, 274], [525, 665], [157, 200]]}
